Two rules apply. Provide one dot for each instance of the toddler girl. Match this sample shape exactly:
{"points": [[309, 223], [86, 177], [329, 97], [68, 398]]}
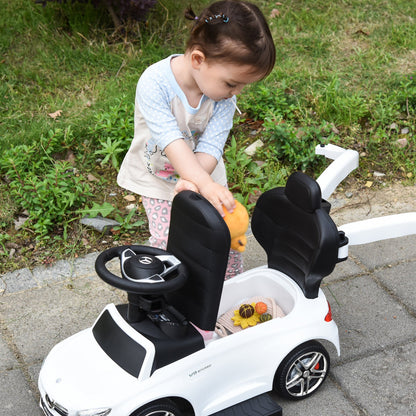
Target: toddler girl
{"points": [[184, 111]]}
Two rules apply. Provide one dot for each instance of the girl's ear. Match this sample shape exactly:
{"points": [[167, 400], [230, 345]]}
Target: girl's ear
{"points": [[197, 58]]}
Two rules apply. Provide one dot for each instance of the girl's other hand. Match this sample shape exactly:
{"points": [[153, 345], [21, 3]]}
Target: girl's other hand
{"points": [[184, 185]]}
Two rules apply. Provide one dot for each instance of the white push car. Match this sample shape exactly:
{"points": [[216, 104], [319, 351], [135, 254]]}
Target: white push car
{"points": [[147, 358]]}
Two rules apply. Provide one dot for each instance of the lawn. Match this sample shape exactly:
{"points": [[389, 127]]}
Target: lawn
{"points": [[345, 74]]}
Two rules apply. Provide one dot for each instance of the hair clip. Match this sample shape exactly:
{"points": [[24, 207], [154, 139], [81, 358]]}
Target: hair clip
{"points": [[224, 18]]}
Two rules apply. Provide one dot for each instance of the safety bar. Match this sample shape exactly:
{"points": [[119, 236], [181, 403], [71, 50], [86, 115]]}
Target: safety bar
{"points": [[344, 162], [381, 228]]}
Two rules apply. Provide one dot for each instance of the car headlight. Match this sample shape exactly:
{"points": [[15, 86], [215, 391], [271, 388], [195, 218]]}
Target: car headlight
{"points": [[94, 412]]}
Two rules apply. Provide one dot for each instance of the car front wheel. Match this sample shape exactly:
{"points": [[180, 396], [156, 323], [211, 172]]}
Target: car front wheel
{"points": [[160, 408], [303, 371]]}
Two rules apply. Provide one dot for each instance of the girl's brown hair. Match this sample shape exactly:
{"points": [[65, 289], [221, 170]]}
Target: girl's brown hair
{"points": [[233, 31]]}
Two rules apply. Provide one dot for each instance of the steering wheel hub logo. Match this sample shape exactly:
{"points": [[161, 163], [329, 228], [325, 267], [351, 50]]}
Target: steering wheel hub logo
{"points": [[145, 260]]}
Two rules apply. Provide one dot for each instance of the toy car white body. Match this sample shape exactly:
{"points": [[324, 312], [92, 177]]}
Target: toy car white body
{"points": [[78, 374], [135, 363]]}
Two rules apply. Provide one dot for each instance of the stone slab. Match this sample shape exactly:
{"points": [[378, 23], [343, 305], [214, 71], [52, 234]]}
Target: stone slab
{"points": [[382, 384], [41, 318], [17, 399], [368, 318], [386, 252]]}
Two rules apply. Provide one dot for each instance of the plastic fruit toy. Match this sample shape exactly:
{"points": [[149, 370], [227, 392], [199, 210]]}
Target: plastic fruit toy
{"points": [[265, 317], [237, 222], [246, 310], [261, 307]]}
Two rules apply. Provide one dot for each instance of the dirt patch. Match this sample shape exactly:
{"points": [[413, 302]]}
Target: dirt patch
{"points": [[360, 203], [407, 63]]}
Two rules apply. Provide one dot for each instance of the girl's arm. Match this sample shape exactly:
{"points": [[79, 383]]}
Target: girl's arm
{"points": [[196, 168], [207, 162]]}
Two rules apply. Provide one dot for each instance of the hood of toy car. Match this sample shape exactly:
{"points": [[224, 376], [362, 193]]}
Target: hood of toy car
{"points": [[81, 378], [79, 374]]}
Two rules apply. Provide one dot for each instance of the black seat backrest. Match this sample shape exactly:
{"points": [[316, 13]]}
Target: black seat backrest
{"points": [[293, 226], [199, 237]]}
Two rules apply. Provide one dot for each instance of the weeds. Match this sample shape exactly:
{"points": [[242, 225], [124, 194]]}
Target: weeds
{"points": [[49, 188], [104, 209], [244, 175], [295, 145], [127, 223], [114, 131]]}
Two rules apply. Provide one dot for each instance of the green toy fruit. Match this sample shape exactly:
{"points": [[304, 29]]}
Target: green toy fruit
{"points": [[265, 317]]}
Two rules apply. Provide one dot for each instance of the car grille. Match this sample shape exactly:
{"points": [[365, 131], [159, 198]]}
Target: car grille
{"points": [[50, 405]]}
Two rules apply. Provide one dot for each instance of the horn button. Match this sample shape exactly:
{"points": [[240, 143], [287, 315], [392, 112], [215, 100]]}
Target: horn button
{"points": [[142, 266]]}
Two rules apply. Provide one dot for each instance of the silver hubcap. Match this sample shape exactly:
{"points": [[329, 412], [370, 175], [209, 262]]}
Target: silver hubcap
{"points": [[306, 374], [160, 413]]}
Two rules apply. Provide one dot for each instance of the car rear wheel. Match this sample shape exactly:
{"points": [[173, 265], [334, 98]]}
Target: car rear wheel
{"points": [[163, 407], [303, 371]]}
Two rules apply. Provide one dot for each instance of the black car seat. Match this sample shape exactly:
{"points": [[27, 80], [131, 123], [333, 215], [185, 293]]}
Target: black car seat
{"points": [[199, 237], [293, 226]]}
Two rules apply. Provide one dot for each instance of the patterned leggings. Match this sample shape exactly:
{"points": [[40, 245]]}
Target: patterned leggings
{"points": [[158, 215]]}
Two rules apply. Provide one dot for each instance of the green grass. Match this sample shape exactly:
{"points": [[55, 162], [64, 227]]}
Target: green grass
{"points": [[338, 58], [51, 62], [362, 45], [345, 73]]}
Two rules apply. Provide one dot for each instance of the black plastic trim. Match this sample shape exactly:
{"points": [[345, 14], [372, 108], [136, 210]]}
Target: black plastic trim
{"points": [[261, 405], [121, 348]]}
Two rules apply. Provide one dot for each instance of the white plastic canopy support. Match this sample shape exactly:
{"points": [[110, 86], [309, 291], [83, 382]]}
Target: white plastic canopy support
{"points": [[345, 161], [381, 228]]}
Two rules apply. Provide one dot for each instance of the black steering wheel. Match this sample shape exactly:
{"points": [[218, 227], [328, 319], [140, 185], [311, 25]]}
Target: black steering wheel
{"points": [[144, 270]]}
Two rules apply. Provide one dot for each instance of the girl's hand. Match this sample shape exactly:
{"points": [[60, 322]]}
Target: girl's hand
{"points": [[195, 171], [184, 185], [219, 196]]}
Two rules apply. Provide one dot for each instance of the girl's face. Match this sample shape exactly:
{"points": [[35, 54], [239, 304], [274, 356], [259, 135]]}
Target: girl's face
{"points": [[220, 81]]}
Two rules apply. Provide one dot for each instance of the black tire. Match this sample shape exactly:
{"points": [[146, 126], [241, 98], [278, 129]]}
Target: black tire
{"points": [[164, 407], [303, 371]]}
